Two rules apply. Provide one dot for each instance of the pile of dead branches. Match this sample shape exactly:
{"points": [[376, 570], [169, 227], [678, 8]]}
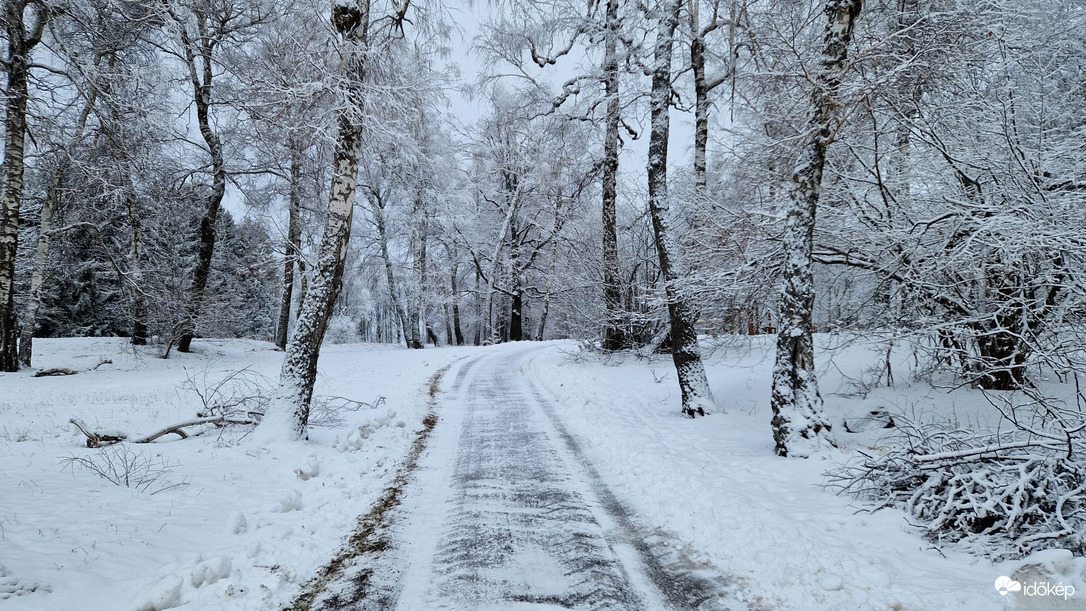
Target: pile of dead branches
{"points": [[1003, 495]]}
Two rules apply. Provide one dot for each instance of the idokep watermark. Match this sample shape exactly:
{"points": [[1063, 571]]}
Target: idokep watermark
{"points": [[1007, 587]]}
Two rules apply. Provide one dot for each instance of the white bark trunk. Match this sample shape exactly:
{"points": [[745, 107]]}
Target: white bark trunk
{"points": [[799, 427], [22, 37], [287, 417], [697, 397]]}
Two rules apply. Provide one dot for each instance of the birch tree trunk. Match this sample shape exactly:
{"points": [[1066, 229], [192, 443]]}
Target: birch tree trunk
{"points": [[551, 273], [293, 245], [41, 260], [288, 415], [45, 226], [697, 397], [613, 335], [424, 283], [799, 427], [701, 103], [477, 335], [511, 186], [21, 40]]}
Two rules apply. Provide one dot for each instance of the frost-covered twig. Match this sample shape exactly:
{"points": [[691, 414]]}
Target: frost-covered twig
{"points": [[123, 466]]}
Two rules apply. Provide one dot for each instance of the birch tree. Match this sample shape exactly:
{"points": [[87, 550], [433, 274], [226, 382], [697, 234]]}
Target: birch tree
{"points": [[59, 163], [697, 397], [799, 427], [24, 23], [288, 416]]}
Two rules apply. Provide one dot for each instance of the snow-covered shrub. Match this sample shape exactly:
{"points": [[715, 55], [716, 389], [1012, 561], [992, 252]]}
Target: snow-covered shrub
{"points": [[342, 330], [1003, 495]]}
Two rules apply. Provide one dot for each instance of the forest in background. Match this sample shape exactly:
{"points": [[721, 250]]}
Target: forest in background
{"points": [[909, 170]]}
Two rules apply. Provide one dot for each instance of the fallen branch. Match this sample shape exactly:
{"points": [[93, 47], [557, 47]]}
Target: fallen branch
{"points": [[96, 440], [56, 371], [178, 429], [100, 439]]}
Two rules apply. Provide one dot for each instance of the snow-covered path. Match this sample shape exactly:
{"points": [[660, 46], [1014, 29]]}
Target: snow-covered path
{"points": [[506, 513]]}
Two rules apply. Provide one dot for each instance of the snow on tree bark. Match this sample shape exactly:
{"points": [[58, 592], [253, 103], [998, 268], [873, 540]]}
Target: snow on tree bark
{"points": [[799, 427], [414, 304], [697, 397], [701, 103], [21, 40], [613, 336], [288, 415], [41, 259]]}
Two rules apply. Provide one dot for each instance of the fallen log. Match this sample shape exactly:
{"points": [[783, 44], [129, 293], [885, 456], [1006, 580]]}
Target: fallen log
{"points": [[100, 439]]}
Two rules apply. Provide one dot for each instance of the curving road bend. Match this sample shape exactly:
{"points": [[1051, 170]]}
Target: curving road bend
{"points": [[505, 513]]}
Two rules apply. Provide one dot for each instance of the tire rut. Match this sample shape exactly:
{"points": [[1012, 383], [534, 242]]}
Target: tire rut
{"points": [[519, 519]]}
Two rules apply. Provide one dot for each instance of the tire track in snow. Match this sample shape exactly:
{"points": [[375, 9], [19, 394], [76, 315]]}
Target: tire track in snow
{"points": [[505, 512]]}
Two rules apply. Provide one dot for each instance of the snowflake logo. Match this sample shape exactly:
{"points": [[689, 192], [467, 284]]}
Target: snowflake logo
{"points": [[1005, 585]]}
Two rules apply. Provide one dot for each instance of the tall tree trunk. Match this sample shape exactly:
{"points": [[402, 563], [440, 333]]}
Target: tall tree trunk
{"points": [[21, 41], [516, 306], [546, 309], [477, 338], [799, 427], [418, 262], [614, 337], [303, 285], [377, 204], [41, 256], [135, 268], [449, 339], [516, 320], [510, 185], [200, 74], [697, 397], [424, 283], [289, 413], [41, 260], [458, 333], [701, 105], [293, 245]]}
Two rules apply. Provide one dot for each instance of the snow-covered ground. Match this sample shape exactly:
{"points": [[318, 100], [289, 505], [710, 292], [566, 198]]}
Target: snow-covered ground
{"points": [[247, 527], [227, 524], [767, 522]]}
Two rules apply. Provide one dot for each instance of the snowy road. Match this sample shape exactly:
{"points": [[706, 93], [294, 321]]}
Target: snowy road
{"points": [[504, 512]]}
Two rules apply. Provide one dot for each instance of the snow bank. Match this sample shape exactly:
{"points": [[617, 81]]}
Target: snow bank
{"points": [[248, 526], [713, 488]]}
